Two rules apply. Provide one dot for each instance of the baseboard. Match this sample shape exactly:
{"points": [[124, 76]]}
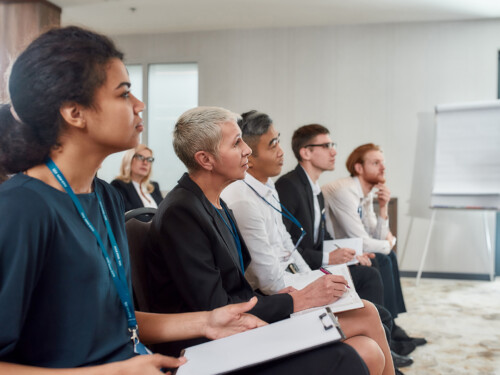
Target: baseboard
{"points": [[447, 275]]}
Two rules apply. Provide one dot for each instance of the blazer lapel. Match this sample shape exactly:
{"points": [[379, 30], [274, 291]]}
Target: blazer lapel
{"points": [[310, 204], [186, 182]]}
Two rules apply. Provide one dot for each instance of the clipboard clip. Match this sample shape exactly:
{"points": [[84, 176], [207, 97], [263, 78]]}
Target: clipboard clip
{"points": [[326, 327], [334, 320]]}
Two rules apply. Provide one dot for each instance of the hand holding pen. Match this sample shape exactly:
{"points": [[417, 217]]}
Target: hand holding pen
{"points": [[341, 255], [326, 272]]}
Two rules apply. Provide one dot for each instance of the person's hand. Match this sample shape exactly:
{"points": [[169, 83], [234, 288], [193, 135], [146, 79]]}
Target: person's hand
{"points": [[340, 256], [231, 319], [383, 195], [144, 365], [288, 289], [364, 259], [323, 291], [392, 240]]}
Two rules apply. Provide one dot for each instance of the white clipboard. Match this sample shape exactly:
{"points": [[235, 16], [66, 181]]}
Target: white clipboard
{"points": [[262, 344]]}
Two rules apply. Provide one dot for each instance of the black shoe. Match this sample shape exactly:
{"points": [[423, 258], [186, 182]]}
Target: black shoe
{"points": [[397, 372], [418, 341], [402, 347], [399, 334], [401, 360]]}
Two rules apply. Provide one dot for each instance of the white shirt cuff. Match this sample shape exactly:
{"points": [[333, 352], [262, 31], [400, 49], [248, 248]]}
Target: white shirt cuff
{"points": [[326, 259]]}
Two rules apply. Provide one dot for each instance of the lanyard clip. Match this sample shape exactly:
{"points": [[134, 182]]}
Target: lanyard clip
{"points": [[133, 334]]}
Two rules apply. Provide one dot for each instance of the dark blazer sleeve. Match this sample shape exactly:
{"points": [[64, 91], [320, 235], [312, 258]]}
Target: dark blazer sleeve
{"points": [[294, 201], [127, 191], [200, 268]]}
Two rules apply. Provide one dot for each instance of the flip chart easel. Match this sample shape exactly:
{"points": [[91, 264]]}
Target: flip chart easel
{"points": [[466, 164]]}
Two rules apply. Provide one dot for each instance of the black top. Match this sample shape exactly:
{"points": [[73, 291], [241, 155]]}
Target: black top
{"points": [[58, 304], [130, 196]]}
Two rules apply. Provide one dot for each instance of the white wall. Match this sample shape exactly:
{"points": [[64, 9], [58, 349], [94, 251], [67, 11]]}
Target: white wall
{"points": [[367, 84]]}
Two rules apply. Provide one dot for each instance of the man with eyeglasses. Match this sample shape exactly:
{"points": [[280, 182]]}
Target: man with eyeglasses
{"points": [[350, 213]]}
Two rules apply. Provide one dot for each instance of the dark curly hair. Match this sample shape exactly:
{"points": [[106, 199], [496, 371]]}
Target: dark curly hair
{"points": [[62, 65]]}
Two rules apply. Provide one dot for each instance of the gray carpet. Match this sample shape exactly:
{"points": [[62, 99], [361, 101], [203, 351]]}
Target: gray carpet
{"points": [[461, 322]]}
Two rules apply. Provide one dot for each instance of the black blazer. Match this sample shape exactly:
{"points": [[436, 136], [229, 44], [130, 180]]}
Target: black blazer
{"points": [[296, 195], [130, 196], [193, 263]]}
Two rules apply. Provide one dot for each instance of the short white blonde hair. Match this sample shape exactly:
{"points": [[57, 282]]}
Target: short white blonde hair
{"points": [[198, 129]]}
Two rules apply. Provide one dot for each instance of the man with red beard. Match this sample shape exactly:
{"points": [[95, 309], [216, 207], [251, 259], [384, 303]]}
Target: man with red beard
{"points": [[350, 213]]}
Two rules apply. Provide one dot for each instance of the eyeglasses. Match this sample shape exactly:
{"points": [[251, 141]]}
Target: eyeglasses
{"points": [[149, 159], [328, 145]]}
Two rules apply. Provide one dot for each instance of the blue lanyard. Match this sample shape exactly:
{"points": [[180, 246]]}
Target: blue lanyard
{"points": [[120, 280], [233, 232], [286, 214]]}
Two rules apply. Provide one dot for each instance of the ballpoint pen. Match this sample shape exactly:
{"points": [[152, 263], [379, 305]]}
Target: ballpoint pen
{"points": [[326, 272]]}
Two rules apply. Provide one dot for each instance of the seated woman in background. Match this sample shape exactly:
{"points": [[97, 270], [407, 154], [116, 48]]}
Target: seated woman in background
{"points": [[133, 182]]}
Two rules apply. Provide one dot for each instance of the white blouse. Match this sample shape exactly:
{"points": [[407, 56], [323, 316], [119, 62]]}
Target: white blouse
{"points": [[146, 198]]}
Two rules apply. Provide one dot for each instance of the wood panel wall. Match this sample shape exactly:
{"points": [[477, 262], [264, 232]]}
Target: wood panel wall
{"points": [[20, 22]]}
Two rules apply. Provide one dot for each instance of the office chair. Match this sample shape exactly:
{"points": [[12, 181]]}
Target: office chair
{"points": [[137, 229]]}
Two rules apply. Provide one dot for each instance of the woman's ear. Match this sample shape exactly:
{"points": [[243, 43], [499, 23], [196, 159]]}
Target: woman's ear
{"points": [[72, 113], [205, 159]]}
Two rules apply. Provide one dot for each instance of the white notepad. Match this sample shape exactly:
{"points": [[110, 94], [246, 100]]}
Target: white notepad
{"points": [[262, 344], [349, 301], [351, 243]]}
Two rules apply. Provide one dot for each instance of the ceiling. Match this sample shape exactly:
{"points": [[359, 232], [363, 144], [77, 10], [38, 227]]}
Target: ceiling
{"points": [[158, 16]]}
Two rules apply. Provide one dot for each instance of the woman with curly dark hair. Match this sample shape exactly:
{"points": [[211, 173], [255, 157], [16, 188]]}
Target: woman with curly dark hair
{"points": [[64, 266]]}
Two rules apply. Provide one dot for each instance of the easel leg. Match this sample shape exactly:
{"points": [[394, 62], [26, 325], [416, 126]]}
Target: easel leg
{"points": [[403, 250], [426, 248], [488, 245]]}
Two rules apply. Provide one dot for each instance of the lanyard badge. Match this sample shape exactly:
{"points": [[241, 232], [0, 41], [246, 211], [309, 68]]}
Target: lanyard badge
{"points": [[119, 278], [285, 213]]}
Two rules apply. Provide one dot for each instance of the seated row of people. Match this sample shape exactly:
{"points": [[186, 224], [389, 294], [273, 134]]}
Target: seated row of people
{"points": [[198, 257], [256, 207], [65, 302]]}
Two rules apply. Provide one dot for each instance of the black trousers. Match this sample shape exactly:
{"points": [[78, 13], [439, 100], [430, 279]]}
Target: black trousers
{"points": [[368, 283], [389, 271], [334, 359]]}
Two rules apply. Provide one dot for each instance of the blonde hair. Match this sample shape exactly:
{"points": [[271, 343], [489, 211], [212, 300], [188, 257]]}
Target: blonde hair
{"points": [[126, 167]]}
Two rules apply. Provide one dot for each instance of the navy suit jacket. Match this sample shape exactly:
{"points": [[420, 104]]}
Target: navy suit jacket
{"points": [[296, 195], [130, 196]]}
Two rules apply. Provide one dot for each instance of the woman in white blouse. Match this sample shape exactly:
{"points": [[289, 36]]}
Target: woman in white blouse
{"points": [[133, 182]]}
